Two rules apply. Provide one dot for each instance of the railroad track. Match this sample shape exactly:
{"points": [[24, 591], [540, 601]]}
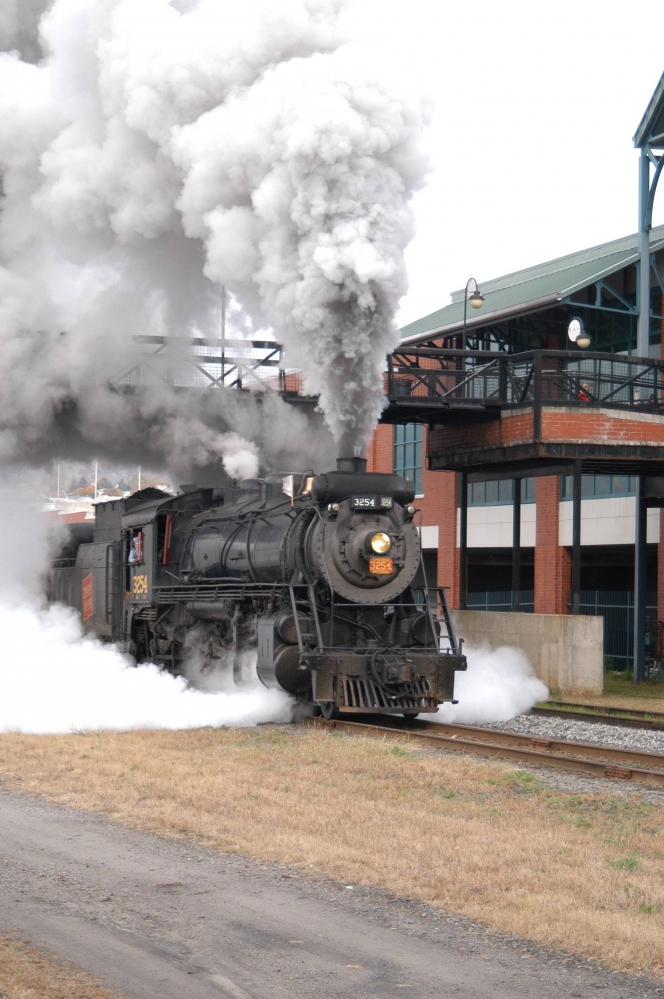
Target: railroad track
{"points": [[652, 720], [583, 757]]}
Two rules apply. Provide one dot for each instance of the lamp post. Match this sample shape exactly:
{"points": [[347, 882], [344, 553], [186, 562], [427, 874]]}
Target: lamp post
{"points": [[476, 300]]}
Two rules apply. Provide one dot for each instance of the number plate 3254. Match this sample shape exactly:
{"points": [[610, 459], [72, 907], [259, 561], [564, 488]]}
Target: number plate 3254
{"points": [[381, 566]]}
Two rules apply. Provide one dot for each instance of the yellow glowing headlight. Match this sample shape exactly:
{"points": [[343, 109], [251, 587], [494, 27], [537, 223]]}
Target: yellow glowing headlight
{"points": [[380, 543]]}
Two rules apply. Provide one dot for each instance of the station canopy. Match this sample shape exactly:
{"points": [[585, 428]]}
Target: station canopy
{"points": [[534, 288]]}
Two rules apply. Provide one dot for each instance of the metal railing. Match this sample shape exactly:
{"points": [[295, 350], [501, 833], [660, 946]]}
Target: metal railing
{"points": [[484, 379], [198, 362], [617, 609]]}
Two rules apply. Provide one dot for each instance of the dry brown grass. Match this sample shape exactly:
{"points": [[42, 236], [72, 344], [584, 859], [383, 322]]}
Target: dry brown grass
{"points": [[26, 973], [583, 873]]}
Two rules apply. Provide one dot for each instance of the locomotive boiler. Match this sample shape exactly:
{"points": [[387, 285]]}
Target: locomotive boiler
{"points": [[319, 576]]}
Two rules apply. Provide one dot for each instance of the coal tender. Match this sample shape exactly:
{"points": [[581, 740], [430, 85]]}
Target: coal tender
{"points": [[321, 574]]}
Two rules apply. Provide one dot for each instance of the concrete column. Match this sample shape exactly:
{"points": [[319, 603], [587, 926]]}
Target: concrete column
{"points": [[553, 564]]}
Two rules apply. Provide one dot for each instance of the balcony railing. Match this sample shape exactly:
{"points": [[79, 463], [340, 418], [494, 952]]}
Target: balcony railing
{"points": [[461, 379]]}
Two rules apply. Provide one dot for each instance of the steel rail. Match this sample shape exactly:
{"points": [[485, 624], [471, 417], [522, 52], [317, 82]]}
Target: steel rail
{"points": [[589, 758], [652, 720], [608, 710]]}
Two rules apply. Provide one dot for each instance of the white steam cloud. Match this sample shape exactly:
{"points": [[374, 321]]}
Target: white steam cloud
{"points": [[152, 150], [498, 685], [54, 679]]}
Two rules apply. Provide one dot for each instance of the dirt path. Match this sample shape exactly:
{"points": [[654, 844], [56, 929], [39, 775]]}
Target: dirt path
{"points": [[161, 918]]}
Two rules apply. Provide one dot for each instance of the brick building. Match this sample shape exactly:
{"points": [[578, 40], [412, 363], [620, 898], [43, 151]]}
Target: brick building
{"points": [[528, 310]]}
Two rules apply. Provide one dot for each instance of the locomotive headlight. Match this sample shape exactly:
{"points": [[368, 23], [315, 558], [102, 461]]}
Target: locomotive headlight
{"points": [[380, 543]]}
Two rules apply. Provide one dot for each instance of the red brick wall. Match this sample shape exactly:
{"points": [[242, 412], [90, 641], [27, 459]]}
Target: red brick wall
{"points": [[557, 425], [508, 430], [470, 435], [439, 506], [590, 425], [380, 454], [553, 564]]}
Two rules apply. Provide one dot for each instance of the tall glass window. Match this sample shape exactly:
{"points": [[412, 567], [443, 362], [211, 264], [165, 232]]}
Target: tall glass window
{"points": [[499, 492], [408, 453]]}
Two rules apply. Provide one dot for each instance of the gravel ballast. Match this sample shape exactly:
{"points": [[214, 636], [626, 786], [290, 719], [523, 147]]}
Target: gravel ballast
{"points": [[582, 731]]}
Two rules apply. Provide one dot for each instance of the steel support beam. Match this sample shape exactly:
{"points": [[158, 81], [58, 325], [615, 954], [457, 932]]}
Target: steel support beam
{"points": [[640, 557], [463, 541], [576, 538], [643, 334], [500, 473], [516, 545]]}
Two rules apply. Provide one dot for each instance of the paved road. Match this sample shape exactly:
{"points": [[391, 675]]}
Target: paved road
{"points": [[162, 919]]}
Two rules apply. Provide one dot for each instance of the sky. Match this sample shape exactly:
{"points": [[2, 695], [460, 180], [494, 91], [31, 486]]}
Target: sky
{"points": [[535, 108]]}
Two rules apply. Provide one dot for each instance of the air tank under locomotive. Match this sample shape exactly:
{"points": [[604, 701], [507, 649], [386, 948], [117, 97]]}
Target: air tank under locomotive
{"points": [[319, 576]]}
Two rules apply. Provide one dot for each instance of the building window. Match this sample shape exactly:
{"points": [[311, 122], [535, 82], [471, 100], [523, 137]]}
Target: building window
{"points": [[599, 486], [408, 453], [499, 492]]}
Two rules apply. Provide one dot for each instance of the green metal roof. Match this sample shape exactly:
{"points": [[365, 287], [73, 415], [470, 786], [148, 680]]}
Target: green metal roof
{"points": [[544, 284], [651, 127]]}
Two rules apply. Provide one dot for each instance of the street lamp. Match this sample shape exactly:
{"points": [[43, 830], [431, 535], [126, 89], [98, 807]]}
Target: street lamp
{"points": [[576, 331], [476, 299]]}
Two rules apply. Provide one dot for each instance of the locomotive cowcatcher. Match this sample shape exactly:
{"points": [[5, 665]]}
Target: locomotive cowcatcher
{"points": [[320, 576]]}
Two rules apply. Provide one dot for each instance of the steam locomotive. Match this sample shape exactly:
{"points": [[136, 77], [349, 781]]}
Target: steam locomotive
{"points": [[321, 574]]}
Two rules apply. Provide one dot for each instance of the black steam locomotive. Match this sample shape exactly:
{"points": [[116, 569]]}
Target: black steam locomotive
{"points": [[322, 574]]}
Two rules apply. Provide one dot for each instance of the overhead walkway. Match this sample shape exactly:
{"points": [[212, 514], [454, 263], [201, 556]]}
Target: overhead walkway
{"points": [[531, 410]]}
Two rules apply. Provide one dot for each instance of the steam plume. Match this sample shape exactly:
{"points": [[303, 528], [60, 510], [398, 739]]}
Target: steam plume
{"points": [[498, 685], [152, 150]]}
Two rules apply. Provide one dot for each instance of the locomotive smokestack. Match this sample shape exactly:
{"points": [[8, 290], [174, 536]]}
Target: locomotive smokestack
{"points": [[351, 464]]}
